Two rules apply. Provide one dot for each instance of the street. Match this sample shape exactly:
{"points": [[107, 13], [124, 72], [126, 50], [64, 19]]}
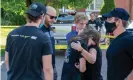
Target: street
{"points": [[59, 63]]}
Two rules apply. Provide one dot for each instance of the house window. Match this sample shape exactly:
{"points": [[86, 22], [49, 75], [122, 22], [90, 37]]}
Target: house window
{"points": [[96, 5]]}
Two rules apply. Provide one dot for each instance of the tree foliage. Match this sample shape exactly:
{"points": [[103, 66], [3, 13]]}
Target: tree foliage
{"points": [[74, 4], [108, 6], [12, 11]]}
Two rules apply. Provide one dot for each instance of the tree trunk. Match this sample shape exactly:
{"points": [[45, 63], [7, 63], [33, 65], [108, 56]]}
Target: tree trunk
{"points": [[28, 3]]}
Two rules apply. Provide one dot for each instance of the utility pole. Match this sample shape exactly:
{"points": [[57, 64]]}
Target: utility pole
{"points": [[131, 9]]}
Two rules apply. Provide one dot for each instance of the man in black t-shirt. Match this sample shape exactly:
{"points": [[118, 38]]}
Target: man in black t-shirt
{"points": [[47, 29], [120, 52], [92, 22], [28, 49]]}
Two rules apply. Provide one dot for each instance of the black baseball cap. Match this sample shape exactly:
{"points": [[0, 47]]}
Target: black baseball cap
{"points": [[119, 13], [36, 9]]}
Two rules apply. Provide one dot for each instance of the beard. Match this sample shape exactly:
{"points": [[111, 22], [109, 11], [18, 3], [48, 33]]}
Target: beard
{"points": [[47, 23]]}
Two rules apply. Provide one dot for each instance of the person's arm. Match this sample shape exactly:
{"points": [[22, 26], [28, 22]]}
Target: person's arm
{"points": [[47, 51], [81, 65], [89, 56], [6, 60], [7, 52], [47, 67]]}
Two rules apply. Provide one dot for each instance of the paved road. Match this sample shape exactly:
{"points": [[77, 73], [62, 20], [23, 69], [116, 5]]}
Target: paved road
{"points": [[59, 61]]}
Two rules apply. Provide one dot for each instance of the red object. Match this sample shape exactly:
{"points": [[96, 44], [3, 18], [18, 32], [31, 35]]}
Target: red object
{"points": [[73, 28]]}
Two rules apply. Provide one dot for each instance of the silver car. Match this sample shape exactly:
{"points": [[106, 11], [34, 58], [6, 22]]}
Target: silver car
{"points": [[64, 24]]}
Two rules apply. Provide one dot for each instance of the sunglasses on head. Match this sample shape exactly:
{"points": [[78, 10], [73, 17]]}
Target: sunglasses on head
{"points": [[52, 17]]}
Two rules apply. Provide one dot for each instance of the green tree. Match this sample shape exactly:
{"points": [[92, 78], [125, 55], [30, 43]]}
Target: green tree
{"points": [[13, 10], [80, 3], [108, 6]]}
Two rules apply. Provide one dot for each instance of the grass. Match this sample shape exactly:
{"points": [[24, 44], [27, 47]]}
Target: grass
{"points": [[2, 52], [4, 32]]}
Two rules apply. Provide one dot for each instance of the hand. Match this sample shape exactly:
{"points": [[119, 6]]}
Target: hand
{"points": [[76, 46], [77, 65], [107, 40]]}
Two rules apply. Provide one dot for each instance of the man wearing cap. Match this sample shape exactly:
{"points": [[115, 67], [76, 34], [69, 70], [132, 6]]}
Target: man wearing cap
{"points": [[28, 50], [120, 52], [50, 18]]}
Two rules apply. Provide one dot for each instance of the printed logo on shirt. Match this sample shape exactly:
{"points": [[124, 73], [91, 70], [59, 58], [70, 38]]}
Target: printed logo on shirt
{"points": [[24, 36], [67, 54], [92, 25], [15, 35], [33, 37]]}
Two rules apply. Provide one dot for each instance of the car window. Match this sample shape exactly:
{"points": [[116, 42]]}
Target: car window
{"points": [[68, 17], [65, 18]]}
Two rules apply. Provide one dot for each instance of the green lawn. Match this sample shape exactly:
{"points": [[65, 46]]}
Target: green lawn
{"points": [[2, 52], [4, 32]]}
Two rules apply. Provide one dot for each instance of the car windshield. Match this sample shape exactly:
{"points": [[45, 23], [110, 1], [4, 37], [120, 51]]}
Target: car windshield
{"points": [[65, 18]]}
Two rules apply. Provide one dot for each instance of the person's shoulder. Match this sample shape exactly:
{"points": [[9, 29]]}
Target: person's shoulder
{"points": [[15, 30], [42, 27], [128, 41], [42, 35], [128, 35], [127, 38], [89, 21], [70, 32], [96, 21]]}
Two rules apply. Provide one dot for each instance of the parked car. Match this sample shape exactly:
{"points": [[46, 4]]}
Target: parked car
{"points": [[130, 27], [65, 18], [63, 25]]}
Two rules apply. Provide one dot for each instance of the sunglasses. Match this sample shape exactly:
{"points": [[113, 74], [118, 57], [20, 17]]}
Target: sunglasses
{"points": [[52, 17]]}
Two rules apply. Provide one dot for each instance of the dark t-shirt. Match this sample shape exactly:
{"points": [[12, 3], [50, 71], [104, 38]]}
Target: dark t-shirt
{"points": [[93, 24], [49, 33], [25, 46], [120, 57], [93, 71], [71, 57]]}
